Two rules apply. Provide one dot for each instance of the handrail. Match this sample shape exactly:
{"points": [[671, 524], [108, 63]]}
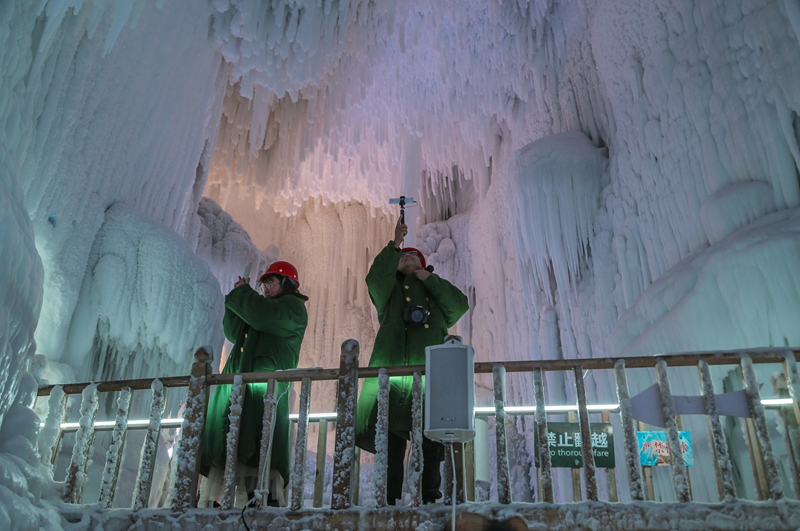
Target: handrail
{"points": [[345, 462], [765, 355]]}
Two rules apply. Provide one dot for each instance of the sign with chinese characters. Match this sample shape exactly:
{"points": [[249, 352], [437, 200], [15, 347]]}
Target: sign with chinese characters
{"points": [[564, 439], [654, 448]]}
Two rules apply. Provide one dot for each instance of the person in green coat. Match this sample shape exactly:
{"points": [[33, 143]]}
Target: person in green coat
{"points": [[398, 283], [266, 331]]}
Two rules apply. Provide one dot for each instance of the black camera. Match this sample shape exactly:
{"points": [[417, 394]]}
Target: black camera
{"points": [[415, 314]]}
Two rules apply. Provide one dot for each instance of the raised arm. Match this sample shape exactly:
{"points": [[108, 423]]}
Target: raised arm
{"points": [[282, 317], [382, 275], [451, 300]]}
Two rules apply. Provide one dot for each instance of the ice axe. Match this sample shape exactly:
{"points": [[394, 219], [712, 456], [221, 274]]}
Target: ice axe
{"points": [[403, 201]]}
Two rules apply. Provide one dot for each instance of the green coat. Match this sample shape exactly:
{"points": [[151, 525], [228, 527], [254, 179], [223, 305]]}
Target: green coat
{"points": [[401, 343], [266, 336]]}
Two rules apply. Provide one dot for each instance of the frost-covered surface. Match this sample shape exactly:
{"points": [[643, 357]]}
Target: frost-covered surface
{"points": [[84, 443], [301, 444], [108, 482], [503, 479], [722, 457], [760, 421], [344, 450], [630, 443], [144, 480], [48, 437], [415, 461], [232, 443], [680, 476], [147, 302], [188, 449], [382, 438], [638, 516]]}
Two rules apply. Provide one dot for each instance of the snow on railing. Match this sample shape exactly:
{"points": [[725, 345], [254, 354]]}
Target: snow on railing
{"points": [[232, 444], [84, 445], [344, 486], [108, 484]]}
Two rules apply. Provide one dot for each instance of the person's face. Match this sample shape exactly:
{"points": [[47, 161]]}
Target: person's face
{"points": [[409, 262], [271, 287]]}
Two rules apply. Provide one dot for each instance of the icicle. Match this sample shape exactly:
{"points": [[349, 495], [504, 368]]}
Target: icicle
{"points": [[382, 438], [679, 472], [545, 462], [631, 443], [50, 436], [415, 463], [108, 483], [232, 444], [84, 443], [760, 421], [719, 444], [299, 469], [503, 473]]}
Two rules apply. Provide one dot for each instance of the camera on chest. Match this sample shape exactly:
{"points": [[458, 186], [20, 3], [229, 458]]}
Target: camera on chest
{"points": [[415, 314]]}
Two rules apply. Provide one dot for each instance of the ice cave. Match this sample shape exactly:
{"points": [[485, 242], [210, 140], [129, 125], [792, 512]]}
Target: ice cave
{"points": [[602, 179]]}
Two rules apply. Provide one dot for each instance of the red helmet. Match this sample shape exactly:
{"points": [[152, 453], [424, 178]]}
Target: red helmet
{"points": [[419, 253], [282, 269]]}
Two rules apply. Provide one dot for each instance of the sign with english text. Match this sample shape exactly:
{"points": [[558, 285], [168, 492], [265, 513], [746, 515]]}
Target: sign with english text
{"points": [[564, 439]]}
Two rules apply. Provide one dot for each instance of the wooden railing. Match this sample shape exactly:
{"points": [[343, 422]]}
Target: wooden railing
{"points": [[345, 466]]}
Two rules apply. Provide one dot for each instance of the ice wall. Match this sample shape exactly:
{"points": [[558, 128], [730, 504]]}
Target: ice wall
{"points": [[120, 101], [147, 302]]}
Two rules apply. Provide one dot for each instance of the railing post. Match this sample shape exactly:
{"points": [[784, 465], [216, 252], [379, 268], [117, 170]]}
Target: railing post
{"points": [[503, 473], [760, 421], [344, 452], [50, 436], [84, 445], [232, 444], [299, 469], [415, 461], [545, 461], [611, 473], [382, 438], [108, 483], [147, 462], [679, 477], [194, 419], [792, 383], [267, 433], [719, 444], [589, 469], [633, 463], [319, 479]]}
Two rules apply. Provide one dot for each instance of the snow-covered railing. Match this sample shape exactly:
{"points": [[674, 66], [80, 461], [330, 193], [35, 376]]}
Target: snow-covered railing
{"points": [[344, 486]]}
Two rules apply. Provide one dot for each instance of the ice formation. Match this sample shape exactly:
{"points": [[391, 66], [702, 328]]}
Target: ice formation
{"points": [[600, 178]]}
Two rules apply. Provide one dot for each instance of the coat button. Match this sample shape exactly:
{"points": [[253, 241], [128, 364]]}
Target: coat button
{"points": [[427, 299], [241, 349], [408, 299], [426, 325], [245, 336], [406, 286]]}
